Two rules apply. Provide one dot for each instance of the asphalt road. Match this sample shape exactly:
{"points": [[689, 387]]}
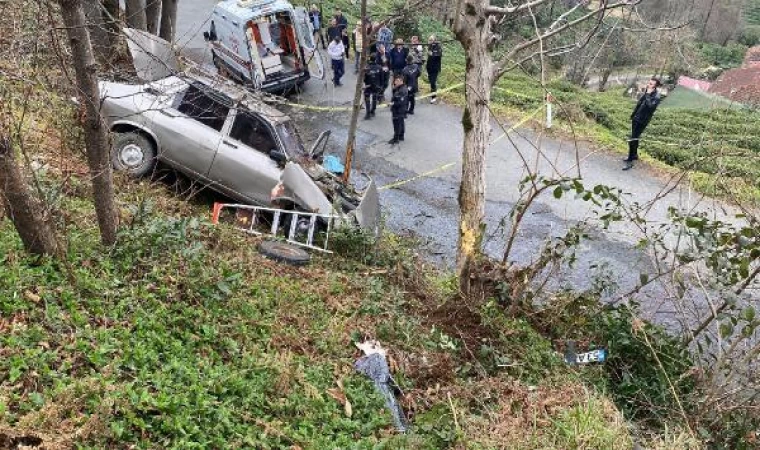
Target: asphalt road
{"points": [[427, 208]]}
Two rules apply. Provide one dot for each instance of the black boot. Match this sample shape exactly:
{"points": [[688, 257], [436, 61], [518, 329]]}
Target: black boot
{"points": [[393, 141]]}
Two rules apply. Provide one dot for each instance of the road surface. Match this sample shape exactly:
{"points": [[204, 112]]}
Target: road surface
{"points": [[427, 208]]}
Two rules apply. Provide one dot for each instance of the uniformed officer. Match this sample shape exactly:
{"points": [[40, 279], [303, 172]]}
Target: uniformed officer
{"points": [[399, 105], [411, 74], [373, 85]]}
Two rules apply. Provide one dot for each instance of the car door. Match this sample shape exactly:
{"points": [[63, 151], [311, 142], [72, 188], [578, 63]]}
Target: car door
{"points": [[242, 166], [313, 59], [190, 130]]}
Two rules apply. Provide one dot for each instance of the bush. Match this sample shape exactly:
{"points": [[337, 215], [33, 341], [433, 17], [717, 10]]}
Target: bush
{"points": [[730, 56], [750, 35]]}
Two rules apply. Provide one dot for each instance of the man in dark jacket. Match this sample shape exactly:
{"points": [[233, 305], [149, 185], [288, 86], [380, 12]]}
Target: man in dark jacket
{"points": [[398, 109], [333, 31], [433, 65], [411, 74], [397, 57], [383, 61], [640, 118], [343, 25], [373, 85]]}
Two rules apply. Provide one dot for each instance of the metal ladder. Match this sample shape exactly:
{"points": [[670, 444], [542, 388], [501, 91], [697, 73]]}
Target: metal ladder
{"points": [[277, 228]]}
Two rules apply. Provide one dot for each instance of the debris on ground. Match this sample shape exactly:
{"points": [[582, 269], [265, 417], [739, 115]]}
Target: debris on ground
{"points": [[374, 365], [574, 358]]}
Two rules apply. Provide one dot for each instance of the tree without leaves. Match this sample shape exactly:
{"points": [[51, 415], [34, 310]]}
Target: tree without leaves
{"points": [[24, 210], [168, 20], [135, 14], [473, 25], [153, 15], [95, 133]]}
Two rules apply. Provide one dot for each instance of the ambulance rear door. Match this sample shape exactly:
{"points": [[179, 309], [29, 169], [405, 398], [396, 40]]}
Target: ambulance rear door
{"points": [[306, 39]]}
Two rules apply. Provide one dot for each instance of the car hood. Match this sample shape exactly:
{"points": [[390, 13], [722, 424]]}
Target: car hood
{"points": [[320, 192], [153, 58]]}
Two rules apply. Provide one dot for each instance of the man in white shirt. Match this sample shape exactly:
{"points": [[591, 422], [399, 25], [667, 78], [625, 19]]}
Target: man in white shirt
{"points": [[336, 50]]}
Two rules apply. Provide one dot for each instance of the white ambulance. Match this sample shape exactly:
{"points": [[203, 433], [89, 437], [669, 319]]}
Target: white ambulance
{"points": [[265, 44]]}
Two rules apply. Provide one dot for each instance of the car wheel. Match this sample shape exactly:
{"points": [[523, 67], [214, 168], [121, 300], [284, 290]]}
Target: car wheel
{"points": [[133, 153], [283, 252]]}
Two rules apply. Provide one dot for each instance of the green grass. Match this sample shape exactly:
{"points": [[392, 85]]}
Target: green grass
{"points": [[682, 97]]}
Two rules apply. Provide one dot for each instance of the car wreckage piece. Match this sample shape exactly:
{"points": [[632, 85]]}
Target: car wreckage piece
{"points": [[224, 136]]}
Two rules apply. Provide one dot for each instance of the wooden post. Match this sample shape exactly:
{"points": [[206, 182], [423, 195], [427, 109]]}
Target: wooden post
{"points": [[357, 97]]}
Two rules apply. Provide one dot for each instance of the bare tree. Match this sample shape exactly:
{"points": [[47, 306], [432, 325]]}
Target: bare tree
{"points": [[135, 14], [24, 210], [357, 95], [153, 15], [486, 61], [168, 20], [95, 132]]}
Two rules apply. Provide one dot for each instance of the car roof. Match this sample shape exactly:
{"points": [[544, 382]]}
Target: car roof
{"points": [[253, 101], [249, 9]]}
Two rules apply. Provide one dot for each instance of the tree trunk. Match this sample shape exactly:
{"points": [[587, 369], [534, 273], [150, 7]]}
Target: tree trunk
{"points": [[135, 14], [32, 225], [479, 78], [168, 20], [99, 26], [95, 133], [603, 80], [153, 15], [357, 97]]}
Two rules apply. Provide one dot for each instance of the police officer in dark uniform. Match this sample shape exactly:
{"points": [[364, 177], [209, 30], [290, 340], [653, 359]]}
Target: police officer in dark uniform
{"points": [[373, 85], [411, 74], [399, 106]]}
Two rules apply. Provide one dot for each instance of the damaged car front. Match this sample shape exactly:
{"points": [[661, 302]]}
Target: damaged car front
{"points": [[224, 136]]}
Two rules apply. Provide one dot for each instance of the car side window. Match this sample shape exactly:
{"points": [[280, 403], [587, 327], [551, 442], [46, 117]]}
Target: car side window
{"points": [[199, 106], [253, 132]]}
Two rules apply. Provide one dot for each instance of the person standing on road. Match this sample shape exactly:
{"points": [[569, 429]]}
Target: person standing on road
{"points": [[399, 107], [333, 30], [384, 35], [415, 49], [315, 16], [373, 85], [342, 22], [383, 61], [358, 45], [398, 56], [336, 52], [411, 74], [640, 118], [433, 66]]}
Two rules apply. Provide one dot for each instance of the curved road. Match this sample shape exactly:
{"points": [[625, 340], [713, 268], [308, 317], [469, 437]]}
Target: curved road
{"points": [[427, 208]]}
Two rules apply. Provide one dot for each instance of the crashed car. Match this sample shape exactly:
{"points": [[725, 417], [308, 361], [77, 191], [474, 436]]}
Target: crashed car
{"points": [[221, 135]]}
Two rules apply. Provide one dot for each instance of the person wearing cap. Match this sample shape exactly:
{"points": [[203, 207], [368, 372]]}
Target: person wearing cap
{"points": [[358, 45], [411, 74], [397, 56], [373, 85], [433, 65], [315, 17]]}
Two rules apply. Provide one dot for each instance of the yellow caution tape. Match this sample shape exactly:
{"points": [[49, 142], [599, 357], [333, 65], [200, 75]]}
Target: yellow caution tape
{"points": [[422, 175], [518, 124]]}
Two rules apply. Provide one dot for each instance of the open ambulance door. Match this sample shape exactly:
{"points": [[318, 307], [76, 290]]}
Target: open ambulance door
{"points": [[314, 62]]}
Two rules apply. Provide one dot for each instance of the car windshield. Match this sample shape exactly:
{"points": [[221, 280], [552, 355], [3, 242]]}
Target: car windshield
{"points": [[291, 140]]}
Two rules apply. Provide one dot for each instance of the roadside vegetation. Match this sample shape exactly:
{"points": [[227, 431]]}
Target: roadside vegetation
{"points": [[180, 335]]}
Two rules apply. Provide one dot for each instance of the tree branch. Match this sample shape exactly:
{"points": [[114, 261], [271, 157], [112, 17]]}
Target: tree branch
{"points": [[500, 67], [501, 11]]}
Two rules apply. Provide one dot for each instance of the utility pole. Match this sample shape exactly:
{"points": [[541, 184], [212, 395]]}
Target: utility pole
{"points": [[357, 97]]}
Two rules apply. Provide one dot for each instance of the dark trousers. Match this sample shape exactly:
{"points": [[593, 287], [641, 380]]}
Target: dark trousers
{"points": [[346, 44], [633, 144], [321, 35], [338, 67], [398, 127], [411, 102], [386, 79], [433, 78], [370, 100]]}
